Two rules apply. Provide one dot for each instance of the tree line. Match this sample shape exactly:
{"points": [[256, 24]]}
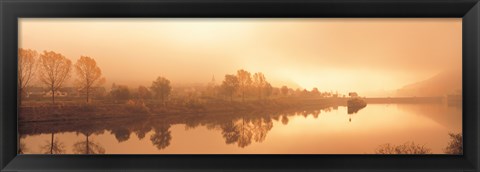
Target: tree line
{"points": [[243, 81], [54, 69]]}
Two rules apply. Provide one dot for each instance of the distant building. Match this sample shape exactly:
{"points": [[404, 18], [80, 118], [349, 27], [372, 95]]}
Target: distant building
{"points": [[70, 91], [94, 92], [33, 92], [57, 94]]}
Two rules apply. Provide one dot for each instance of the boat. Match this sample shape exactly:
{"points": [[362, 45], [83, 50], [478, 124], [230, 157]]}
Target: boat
{"points": [[355, 104]]}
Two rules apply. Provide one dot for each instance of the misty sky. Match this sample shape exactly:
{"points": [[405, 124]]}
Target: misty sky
{"points": [[363, 55]]}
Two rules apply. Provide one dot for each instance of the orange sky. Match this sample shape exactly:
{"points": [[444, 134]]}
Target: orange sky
{"points": [[363, 55]]}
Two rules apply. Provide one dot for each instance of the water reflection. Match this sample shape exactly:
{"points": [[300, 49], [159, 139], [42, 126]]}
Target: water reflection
{"points": [[54, 146], [22, 147], [242, 130], [121, 134], [354, 110], [161, 137], [88, 146]]}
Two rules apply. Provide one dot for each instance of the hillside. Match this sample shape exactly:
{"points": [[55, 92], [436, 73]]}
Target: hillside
{"points": [[447, 82]]}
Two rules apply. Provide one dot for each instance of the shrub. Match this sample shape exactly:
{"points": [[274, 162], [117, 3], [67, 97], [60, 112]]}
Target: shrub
{"points": [[137, 106], [194, 103], [406, 148], [455, 146], [85, 107]]}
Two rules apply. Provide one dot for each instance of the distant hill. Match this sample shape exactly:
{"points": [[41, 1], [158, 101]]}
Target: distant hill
{"points": [[447, 82]]}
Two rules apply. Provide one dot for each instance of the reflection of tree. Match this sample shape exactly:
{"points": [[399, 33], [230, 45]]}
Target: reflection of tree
{"points": [[316, 113], [276, 117], [284, 120], [22, 147], [243, 131], [229, 132], [161, 136], [245, 137], [140, 132], [192, 122], [53, 146], [261, 127], [88, 146], [237, 129], [121, 134], [305, 113]]}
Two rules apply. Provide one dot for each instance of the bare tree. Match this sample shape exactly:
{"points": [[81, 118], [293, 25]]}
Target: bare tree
{"points": [[244, 80], [54, 70], [161, 88], [230, 85], [89, 75], [26, 69]]}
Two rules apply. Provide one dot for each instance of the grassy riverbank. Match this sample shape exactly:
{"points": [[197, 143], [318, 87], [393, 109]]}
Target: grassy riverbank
{"points": [[134, 108]]}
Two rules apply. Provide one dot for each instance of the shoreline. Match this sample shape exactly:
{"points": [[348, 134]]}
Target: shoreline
{"points": [[74, 112], [53, 113]]}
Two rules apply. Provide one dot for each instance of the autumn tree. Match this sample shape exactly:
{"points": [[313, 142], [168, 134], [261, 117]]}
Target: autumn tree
{"points": [[230, 85], [26, 69], [161, 88], [143, 93], [315, 91], [89, 75], [268, 90], [284, 90], [244, 81], [259, 82], [54, 70], [120, 92]]}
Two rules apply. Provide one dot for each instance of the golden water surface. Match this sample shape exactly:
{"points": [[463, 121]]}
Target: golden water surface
{"points": [[324, 131]]}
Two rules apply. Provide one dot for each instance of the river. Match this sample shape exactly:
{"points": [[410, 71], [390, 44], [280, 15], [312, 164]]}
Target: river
{"points": [[324, 131]]}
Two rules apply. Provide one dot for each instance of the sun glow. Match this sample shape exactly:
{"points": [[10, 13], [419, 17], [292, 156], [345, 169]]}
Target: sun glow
{"points": [[198, 32]]}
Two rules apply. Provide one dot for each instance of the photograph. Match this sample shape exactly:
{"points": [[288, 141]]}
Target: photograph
{"points": [[318, 86]]}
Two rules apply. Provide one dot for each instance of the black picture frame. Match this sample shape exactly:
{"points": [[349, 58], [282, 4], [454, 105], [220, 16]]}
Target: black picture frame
{"points": [[11, 10]]}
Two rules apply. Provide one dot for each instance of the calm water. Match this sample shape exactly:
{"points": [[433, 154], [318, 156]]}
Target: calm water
{"points": [[323, 131]]}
